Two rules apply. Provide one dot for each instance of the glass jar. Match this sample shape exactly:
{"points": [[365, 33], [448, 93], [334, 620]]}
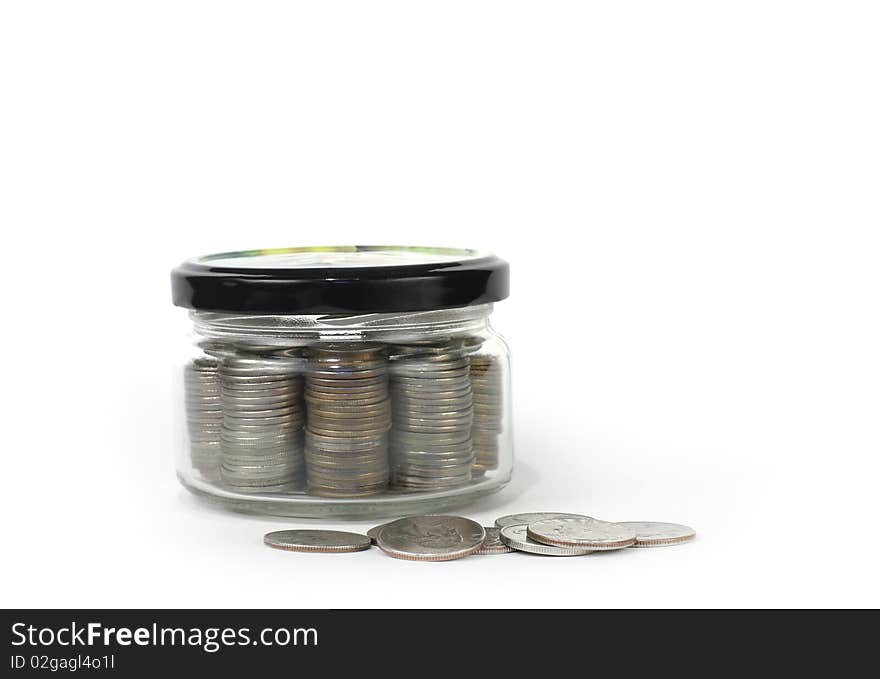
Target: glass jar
{"points": [[345, 382]]}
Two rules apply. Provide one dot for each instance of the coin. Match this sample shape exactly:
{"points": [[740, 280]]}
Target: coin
{"points": [[316, 541], [658, 534], [431, 538], [492, 543], [581, 532], [373, 533], [517, 519], [515, 536]]}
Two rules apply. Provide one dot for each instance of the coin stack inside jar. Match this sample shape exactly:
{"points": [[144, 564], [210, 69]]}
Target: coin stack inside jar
{"points": [[204, 415], [349, 415], [487, 385], [263, 416], [433, 414]]}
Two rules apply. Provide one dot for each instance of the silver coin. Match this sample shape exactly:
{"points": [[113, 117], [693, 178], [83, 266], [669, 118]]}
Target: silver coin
{"points": [[516, 537], [259, 469], [420, 390], [453, 427], [581, 532], [429, 443], [333, 357], [342, 493], [359, 377], [431, 467], [342, 460], [351, 433], [493, 544], [430, 383], [291, 401], [351, 482], [373, 533], [658, 534], [349, 389], [259, 486], [284, 386], [348, 426], [418, 478], [317, 541], [458, 368], [331, 442], [346, 402], [433, 411], [264, 418], [260, 371], [431, 538], [347, 412], [532, 517], [334, 349]]}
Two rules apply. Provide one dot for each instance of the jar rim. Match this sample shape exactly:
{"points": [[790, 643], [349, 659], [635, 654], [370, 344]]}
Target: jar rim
{"points": [[340, 279]]}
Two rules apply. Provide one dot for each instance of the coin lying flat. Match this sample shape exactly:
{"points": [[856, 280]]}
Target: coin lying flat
{"points": [[316, 541], [373, 533], [516, 537], [658, 534], [581, 532], [431, 538], [532, 517], [492, 543]]}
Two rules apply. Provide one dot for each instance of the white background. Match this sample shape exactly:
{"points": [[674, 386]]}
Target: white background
{"points": [[687, 193]]}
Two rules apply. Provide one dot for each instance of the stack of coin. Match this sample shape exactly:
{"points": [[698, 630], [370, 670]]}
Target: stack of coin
{"points": [[263, 416], [488, 387], [433, 413], [204, 415], [349, 415]]}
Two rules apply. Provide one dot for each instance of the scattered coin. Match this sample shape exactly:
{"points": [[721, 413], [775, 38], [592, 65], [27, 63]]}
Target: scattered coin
{"points": [[431, 538], [373, 533], [532, 517], [516, 537], [658, 534], [316, 541], [581, 532], [492, 544]]}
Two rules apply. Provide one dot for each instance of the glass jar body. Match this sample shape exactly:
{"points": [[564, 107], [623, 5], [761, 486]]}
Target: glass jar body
{"points": [[345, 416]]}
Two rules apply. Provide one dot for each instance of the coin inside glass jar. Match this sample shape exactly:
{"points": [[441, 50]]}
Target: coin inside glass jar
{"points": [[349, 416]]}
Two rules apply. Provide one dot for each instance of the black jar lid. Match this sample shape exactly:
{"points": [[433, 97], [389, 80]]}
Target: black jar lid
{"points": [[340, 279]]}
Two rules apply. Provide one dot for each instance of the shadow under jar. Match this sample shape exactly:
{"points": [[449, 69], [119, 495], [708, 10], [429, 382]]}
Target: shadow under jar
{"points": [[346, 382]]}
